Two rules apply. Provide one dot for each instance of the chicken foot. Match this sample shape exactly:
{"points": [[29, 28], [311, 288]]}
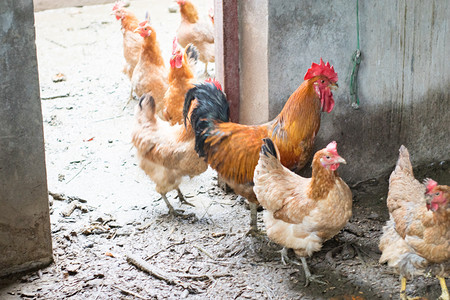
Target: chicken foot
{"points": [[445, 294], [173, 211], [182, 199], [403, 291], [309, 277]]}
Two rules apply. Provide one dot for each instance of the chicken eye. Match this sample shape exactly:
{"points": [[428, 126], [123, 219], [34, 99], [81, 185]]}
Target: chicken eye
{"points": [[327, 157], [322, 81], [438, 193]]}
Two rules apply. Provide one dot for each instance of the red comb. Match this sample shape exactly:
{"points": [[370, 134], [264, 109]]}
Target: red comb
{"points": [[332, 147], [321, 69], [143, 23], [175, 45], [118, 5], [215, 82], [430, 184]]}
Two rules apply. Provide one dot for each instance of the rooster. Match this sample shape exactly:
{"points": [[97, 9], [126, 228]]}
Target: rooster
{"points": [[181, 79], [418, 230], [132, 41], [197, 31], [302, 213], [150, 73], [233, 149], [166, 152]]}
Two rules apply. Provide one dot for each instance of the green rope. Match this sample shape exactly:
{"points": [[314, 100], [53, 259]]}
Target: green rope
{"points": [[356, 59]]}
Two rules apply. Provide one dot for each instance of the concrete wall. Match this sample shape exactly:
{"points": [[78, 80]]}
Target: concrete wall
{"points": [[25, 240], [404, 76]]}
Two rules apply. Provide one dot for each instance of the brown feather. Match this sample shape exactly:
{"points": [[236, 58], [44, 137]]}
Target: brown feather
{"points": [[189, 12]]}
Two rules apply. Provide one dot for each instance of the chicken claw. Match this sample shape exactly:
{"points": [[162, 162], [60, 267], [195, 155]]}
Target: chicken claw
{"points": [[285, 258], [174, 212], [403, 291], [182, 199], [310, 278]]}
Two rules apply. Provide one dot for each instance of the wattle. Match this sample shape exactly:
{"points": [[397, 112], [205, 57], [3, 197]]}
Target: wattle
{"points": [[326, 100], [334, 167]]}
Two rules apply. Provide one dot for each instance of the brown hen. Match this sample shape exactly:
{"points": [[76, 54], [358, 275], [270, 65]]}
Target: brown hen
{"points": [[418, 231]]}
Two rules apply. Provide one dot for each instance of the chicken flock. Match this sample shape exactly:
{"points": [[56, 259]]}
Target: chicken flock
{"points": [[182, 127]]}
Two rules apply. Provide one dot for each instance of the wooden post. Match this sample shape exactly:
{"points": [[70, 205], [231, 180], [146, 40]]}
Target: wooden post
{"points": [[226, 23]]}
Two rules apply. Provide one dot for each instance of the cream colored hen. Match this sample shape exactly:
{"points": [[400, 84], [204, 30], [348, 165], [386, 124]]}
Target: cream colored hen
{"points": [[165, 152], [199, 32], [418, 231], [302, 213]]}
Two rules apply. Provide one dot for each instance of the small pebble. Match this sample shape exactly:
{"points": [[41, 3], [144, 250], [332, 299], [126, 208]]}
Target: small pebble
{"points": [[173, 8]]}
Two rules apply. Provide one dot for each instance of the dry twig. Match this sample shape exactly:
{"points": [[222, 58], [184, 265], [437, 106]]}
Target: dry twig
{"points": [[146, 267], [131, 293], [204, 251], [70, 208]]}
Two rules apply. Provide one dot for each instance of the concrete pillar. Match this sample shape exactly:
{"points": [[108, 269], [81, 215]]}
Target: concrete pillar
{"points": [[253, 49], [25, 240]]}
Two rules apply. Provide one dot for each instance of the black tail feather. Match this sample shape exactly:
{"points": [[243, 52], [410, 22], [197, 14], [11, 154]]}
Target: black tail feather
{"points": [[268, 148], [212, 107], [192, 53]]}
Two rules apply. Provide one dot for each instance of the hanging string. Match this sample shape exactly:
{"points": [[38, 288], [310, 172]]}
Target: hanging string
{"points": [[356, 60]]}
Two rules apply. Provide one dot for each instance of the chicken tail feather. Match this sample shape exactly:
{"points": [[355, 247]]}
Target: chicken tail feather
{"points": [[191, 55], [211, 107], [404, 163], [268, 148], [147, 103]]}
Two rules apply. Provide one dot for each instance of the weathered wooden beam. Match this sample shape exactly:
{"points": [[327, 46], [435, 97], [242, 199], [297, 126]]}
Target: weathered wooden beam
{"points": [[226, 23]]}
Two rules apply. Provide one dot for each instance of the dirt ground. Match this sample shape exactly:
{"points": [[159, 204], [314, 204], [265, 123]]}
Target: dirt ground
{"points": [[90, 160]]}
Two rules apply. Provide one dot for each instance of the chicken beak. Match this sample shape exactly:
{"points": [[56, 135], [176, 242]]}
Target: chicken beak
{"points": [[340, 160], [334, 86]]}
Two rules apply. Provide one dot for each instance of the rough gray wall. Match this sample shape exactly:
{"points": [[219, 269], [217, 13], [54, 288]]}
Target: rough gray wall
{"points": [[253, 31], [404, 76], [25, 240]]}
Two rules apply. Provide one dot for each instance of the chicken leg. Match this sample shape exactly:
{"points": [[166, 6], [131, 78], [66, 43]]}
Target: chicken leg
{"points": [[254, 231], [129, 99], [206, 70], [182, 199], [284, 256], [445, 294], [309, 277]]}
